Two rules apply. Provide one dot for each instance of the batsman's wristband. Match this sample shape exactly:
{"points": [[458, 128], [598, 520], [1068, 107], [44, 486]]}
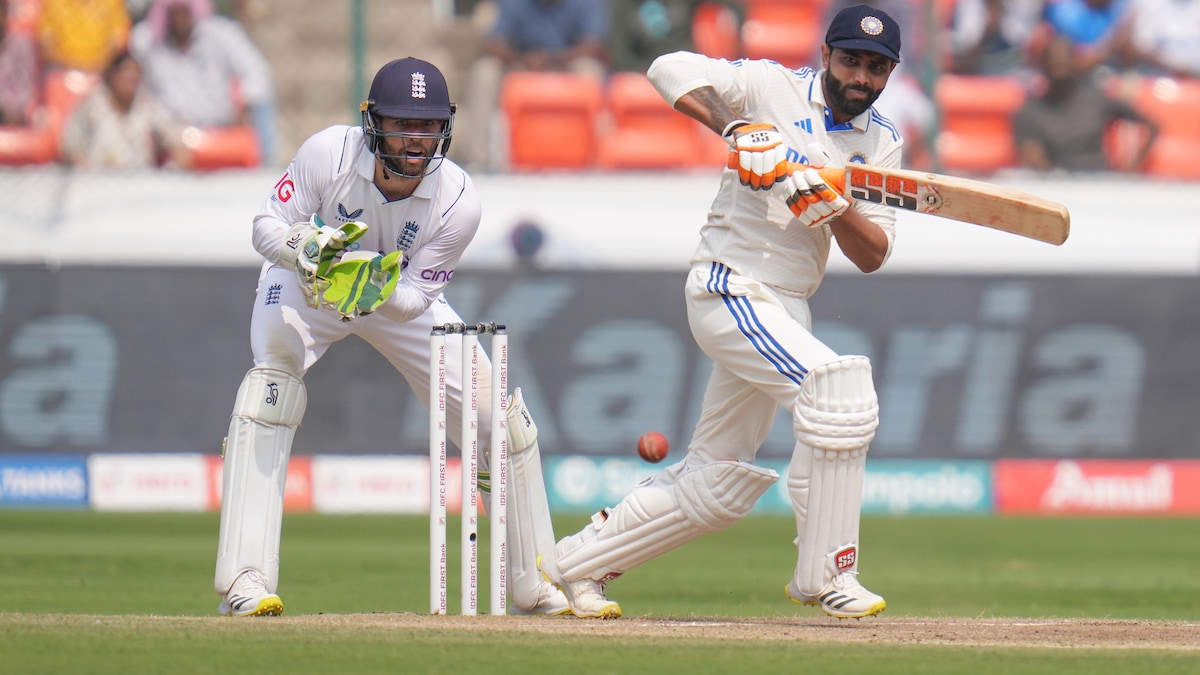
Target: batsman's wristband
{"points": [[729, 128]]}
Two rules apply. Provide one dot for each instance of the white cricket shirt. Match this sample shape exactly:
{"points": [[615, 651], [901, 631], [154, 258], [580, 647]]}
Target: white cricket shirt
{"points": [[332, 175], [754, 232]]}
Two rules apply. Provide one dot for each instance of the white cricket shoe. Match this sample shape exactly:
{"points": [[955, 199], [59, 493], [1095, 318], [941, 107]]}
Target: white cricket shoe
{"points": [[843, 598], [550, 602], [585, 596], [249, 597]]}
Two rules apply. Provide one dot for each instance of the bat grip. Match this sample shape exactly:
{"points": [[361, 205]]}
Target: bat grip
{"points": [[834, 177]]}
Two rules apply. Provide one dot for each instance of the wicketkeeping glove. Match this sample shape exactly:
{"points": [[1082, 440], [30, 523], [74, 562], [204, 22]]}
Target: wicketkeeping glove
{"points": [[758, 153], [812, 200], [311, 248], [360, 282]]}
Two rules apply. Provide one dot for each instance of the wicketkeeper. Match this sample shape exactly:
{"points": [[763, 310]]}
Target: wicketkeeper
{"points": [[361, 235]]}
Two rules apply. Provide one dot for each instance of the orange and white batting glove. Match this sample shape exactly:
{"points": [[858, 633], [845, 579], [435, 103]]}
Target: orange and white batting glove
{"points": [[757, 152], [813, 201]]}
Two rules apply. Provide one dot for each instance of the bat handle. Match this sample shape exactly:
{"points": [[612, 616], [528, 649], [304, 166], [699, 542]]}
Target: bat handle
{"points": [[833, 176]]}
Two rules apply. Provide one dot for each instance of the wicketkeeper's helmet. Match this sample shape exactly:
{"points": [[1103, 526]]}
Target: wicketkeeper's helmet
{"points": [[408, 89]]}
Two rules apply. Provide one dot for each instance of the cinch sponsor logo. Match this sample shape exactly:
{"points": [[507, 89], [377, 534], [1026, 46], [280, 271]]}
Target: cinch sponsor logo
{"points": [[437, 275]]}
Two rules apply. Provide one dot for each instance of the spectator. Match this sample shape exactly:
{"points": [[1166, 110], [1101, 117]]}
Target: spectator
{"points": [[906, 104], [1063, 127], [119, 125], [1162, 38], [643, 30], [19, 73], [1093, 25], [205, 69], [990, 37], [82, 34], [530, 35]]}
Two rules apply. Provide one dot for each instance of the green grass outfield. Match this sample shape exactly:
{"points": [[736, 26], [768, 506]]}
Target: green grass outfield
{"points": [[84, 592]]}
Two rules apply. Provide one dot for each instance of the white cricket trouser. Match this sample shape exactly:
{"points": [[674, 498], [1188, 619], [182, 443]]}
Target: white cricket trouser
{"points": [[286, 333], [762, 346]]}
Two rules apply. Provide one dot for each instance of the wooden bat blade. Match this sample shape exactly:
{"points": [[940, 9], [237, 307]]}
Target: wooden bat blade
{"points": [[963, 199]]}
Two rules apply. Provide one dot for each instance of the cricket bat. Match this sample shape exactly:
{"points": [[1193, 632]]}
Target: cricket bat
{"points": [[962, 199]]}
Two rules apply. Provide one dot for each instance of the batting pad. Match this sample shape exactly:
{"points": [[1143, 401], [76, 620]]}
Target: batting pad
{"points": [[530, 531], [663, 513], [835, 417], [269, 406]]}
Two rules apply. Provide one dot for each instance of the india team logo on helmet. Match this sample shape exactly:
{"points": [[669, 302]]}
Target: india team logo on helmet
{"points": [[408, 89]]}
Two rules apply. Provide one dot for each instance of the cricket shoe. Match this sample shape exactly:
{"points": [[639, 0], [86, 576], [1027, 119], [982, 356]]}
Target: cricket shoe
{"points": [[550, 602], [585, 597], [249, 597], [843, 598]]}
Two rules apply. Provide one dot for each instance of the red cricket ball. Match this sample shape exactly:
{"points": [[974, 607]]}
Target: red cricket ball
{"points": [[652, 446]]}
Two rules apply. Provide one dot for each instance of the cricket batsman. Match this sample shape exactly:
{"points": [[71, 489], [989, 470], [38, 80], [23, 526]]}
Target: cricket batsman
{"points": [[762, 254]]}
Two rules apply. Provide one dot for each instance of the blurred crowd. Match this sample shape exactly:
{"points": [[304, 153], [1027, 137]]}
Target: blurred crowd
{"points": [[1072, 85], [133, 84]]}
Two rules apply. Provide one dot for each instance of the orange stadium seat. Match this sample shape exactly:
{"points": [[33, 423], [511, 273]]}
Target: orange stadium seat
{"points": [[787, 31], [1172, 103], [222, 148], [27, 145], [715, 31], [62, 93], [644, 131], [976, 132], [551, 119], [62, 90]]}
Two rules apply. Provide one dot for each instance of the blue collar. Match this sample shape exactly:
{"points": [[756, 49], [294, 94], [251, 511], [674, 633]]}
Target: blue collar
{"points": [[830, 126]]}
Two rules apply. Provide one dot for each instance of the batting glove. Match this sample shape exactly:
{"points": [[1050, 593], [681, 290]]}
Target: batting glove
{"points": [[812, 200], [758, 153]]}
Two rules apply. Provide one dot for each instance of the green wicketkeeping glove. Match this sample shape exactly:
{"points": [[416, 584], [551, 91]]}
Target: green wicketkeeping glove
{"points": [[360, 282], [311, 248]]}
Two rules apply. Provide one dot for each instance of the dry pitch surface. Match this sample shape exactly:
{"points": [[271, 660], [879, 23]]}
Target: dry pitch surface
{"points": [[1078, 633]]}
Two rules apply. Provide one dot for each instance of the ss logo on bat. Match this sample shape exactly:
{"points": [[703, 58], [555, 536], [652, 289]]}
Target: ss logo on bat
{"points": [[892, 191]]}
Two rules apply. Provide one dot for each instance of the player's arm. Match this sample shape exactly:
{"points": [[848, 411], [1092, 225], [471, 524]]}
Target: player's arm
{"points": [[863, 241], [297, 194], [757, 151]]}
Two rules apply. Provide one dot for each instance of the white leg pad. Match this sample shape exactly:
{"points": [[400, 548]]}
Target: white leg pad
{"points": [[530, 530], [269, 406], [835, 417], [666, 511]]}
